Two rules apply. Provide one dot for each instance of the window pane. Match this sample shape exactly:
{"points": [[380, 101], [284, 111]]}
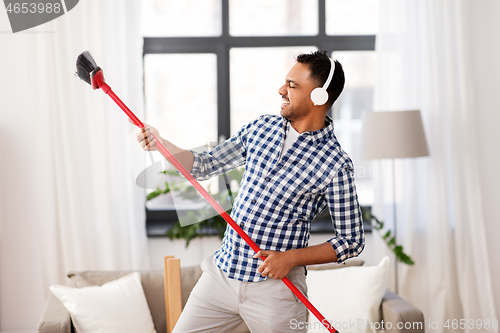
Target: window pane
{"points": [[352, 17], [184, 110], [357, 97], [185, 106], [273, 18], [256, 76], [172, 18]]}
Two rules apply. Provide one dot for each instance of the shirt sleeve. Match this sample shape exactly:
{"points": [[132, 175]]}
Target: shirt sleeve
{"points": [[227, 156], [345, 211]]}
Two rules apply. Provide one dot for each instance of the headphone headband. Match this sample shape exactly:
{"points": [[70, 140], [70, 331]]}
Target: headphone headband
{"points": [[330, 75], [319, 96]]}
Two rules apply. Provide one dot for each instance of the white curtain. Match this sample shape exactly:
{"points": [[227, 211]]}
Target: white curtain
{"points": [[423, 63], [91, 213]]}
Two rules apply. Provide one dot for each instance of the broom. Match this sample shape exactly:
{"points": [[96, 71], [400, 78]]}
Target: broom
{"points": [[88, 71]]}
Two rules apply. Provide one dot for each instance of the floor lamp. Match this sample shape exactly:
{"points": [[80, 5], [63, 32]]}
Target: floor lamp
{"points": [[392, 135]]}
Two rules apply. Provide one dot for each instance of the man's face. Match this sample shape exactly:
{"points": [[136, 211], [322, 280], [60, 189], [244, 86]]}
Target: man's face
{"points": [[296, 93]]}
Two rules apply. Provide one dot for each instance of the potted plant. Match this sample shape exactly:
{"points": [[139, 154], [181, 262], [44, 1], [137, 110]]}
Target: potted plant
{"points": [[211, 226]]}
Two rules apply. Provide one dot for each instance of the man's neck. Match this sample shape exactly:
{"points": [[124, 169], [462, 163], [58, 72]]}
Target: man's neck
{"points": [[307, 124]]}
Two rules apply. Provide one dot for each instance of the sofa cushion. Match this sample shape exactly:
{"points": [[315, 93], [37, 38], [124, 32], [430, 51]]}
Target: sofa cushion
{"points": [[334, 265], [116, 306], [55, 317], [152, 283], [348, 298]]}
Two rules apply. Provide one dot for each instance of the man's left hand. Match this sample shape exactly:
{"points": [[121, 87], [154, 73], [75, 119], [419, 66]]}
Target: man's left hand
{"points": [[277, 264]]}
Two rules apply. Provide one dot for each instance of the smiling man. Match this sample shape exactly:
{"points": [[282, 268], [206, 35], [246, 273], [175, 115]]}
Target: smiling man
{"points": [[294, 169]]}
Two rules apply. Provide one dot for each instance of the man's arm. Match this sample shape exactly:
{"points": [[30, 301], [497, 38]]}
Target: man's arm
{"points": [[145, 139], [185, 157], [225, 157], [278, 264], [342, 200]]}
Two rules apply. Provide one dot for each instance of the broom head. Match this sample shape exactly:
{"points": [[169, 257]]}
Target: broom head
{"points": [[88, 71]]}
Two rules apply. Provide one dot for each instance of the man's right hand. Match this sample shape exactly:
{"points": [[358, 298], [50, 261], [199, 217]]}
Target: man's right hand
{"points": [[145, 137]]}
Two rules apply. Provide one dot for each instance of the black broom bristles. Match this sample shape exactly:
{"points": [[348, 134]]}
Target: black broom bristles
{"points": [[85, 64]]}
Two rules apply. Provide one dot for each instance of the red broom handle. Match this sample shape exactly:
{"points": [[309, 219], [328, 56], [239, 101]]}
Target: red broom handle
{"points": [[215, 205]]}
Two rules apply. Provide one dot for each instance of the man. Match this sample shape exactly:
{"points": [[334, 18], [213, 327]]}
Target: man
{"points": [[294, 169]]}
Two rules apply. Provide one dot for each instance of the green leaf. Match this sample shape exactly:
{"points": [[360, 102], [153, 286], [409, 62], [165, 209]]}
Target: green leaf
{"points": [[377, 226], [153, 195], [391, 242], [406, 259], [171, 173], [367, 216]]}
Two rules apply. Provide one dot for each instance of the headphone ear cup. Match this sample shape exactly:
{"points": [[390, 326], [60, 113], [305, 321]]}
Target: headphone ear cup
{"points": [[319, 96]]}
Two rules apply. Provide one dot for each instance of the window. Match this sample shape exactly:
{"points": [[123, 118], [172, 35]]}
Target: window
{"points": [[202, 59]]}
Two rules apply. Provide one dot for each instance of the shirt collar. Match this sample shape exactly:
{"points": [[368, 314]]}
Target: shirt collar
{"points": [[317, 136]]}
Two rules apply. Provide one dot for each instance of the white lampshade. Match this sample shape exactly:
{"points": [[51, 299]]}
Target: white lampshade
{"points": [[396, 134]]}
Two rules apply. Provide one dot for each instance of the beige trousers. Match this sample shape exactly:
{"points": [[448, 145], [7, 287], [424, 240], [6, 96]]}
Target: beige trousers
{"points": [[219, 304]]}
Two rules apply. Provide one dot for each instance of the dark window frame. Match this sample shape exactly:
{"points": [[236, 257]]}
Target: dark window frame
{"points": [[160, 221]]}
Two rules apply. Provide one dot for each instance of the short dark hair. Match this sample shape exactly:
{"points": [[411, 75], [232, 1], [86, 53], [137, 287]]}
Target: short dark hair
{"points": [[319, 65]]}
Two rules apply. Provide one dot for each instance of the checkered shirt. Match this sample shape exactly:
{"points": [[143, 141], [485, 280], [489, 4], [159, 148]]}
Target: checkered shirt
{"points": [[278, 199]]}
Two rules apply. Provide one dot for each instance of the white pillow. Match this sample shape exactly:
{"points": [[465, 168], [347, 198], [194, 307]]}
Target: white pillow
{"points": [[118, 306], [349, 298]]}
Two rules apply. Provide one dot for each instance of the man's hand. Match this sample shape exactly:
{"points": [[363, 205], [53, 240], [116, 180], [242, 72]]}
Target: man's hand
{"points": [[145, 137], [277, 264]]}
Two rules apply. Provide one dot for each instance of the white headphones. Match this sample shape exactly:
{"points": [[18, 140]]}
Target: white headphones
{"points": [[319, 96]]}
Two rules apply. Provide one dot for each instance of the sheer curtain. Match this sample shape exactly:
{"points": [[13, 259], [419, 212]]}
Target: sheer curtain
{"points": [[91, 213], [68, 194], [423, 63]]}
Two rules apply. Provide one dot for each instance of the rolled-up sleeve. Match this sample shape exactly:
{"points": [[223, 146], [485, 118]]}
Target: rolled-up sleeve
{"points": [[227, 156], [345, 211]]}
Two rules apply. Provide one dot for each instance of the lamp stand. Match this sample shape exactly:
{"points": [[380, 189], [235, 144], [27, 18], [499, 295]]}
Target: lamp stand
{"points": [[395, 223]]}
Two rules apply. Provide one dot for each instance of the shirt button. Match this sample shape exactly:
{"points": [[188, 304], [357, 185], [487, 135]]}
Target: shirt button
{"points": [[237, 247], [253, 201], [241, 225], [267, 179]]}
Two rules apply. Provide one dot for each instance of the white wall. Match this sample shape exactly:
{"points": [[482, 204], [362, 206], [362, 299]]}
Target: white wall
{"points": [[485, 52]]}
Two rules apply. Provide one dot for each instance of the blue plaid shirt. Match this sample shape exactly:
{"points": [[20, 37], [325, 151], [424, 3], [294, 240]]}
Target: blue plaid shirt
{"points": [[278, 199]]}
